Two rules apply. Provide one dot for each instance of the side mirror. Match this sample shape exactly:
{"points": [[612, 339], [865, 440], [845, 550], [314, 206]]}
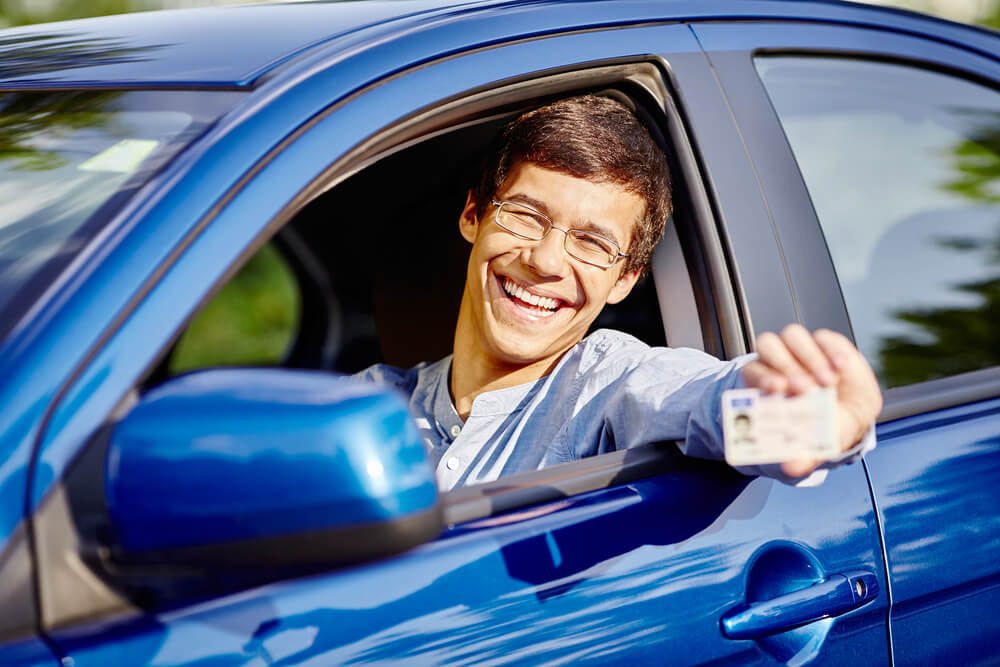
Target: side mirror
{"points": [[252, 469]]}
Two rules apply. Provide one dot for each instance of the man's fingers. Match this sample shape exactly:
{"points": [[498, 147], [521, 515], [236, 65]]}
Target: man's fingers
{"points": [[796, 361], [837, 348], [799, 467], [809, 354], [773, 352], [758, 376], [859, 397], [855, 371]]}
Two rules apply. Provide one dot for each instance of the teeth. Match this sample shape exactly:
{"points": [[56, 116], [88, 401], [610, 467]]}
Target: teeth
{"points": [[516, 290]]}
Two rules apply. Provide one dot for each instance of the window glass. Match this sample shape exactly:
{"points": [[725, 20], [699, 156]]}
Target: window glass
{"points": [[252, 321], [903, 167], [68, 160]]}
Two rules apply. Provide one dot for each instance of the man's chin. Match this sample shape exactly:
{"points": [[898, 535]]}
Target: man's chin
{"points": [[512, 349]]}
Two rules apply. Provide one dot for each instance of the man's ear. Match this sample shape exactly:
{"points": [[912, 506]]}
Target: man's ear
{"points": [[468, 222], [623, 286]]}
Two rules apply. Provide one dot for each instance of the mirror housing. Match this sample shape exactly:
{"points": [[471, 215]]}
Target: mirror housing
{"points": [[267, 468]]}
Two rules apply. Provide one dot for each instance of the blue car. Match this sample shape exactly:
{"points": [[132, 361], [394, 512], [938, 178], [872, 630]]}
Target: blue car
{"points": [[210, 218]]}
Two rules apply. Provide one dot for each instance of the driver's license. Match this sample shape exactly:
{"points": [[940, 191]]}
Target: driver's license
{"points": [[774, 429]]}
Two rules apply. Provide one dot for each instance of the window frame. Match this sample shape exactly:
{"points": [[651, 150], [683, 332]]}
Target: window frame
{"points": [[689, 269]]}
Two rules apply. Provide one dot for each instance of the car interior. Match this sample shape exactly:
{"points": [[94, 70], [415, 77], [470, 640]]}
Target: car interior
{"points": [[378, 263]]}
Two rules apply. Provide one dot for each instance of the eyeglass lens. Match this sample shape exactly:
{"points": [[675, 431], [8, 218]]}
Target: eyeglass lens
{"points": [[531, 224]]}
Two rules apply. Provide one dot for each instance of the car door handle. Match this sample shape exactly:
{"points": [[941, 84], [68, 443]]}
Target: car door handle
{"points": [[835, 595]]}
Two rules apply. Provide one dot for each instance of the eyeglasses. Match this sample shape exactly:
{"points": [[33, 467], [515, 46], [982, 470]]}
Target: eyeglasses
{"points": [[527, 223]]}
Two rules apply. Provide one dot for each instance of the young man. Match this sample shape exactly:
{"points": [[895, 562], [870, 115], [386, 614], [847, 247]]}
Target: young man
{"points": [[572, 201]]}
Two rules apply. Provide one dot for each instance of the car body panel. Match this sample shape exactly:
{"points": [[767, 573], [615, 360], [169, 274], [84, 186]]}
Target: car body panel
{"points": [[636, 573], [935, 477], [741, 212], [28, 653]]}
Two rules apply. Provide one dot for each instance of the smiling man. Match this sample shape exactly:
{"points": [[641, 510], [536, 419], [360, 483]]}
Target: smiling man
{"points": [[571, 203]]}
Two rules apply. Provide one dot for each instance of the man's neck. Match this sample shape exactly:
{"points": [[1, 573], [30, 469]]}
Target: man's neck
{"points": [[470, 376], [475, 372]]}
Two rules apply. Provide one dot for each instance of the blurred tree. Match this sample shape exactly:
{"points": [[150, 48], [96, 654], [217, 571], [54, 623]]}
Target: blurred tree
{"points": [[992, 18], [251, 321], [26, 116], [964, 339], [21, 12]]}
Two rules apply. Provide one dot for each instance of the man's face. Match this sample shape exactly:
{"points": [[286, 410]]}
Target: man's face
{"points": [[506, 272]]}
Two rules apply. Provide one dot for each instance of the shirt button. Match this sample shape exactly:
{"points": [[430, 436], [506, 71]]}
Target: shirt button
{"points": [[452, 463], [455, 430]]}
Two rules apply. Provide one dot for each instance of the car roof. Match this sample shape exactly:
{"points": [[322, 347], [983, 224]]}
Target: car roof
{"points": [[234, 46], [210, 46]]}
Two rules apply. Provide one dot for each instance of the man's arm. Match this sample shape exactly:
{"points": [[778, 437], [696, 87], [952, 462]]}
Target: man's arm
{"points": [[671, 394]]}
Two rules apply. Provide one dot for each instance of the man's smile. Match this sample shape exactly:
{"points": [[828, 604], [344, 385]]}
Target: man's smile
{"points": [[524, 302], [525, 298]]}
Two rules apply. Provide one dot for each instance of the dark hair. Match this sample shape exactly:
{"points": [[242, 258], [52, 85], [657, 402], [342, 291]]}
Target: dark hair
{"points": [[594, 138]]}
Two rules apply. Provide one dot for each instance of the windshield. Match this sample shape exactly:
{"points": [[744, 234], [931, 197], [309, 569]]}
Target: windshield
{"points": [[68, 161]]}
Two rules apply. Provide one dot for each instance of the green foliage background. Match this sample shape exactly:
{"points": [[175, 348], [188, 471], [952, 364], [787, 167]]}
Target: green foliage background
{"points": [[250, 322], [23, 12], [992, 19]]}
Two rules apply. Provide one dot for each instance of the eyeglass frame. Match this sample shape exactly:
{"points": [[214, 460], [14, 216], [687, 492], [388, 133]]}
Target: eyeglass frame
{"points": [[552, 225]]}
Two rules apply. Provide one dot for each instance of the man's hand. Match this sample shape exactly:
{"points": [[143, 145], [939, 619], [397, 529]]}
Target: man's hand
{"points": [[796, 361]]}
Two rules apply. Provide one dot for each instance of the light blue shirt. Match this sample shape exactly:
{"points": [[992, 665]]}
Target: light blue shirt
{"points": [[610, 391]]}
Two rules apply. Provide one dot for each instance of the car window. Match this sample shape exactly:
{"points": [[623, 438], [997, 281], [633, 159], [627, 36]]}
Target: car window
{"points": [[69, 160], [252, 321], [903, 168]]}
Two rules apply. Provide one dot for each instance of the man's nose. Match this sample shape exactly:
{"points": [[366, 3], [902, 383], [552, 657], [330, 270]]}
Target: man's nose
{"points": [[547, 256]]}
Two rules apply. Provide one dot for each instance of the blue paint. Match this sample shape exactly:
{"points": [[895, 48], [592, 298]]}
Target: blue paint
{"points": [[28, 653], [228, 455], [550, 542], [936, 477], [637, 580]]}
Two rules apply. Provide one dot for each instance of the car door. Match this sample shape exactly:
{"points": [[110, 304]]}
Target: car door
{"points": [[642, 564], [895, 138]]}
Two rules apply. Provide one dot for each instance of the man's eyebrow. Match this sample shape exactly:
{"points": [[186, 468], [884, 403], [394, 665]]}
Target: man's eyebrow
{"points": [[597, 228], [522, 198], [585, 226]]}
